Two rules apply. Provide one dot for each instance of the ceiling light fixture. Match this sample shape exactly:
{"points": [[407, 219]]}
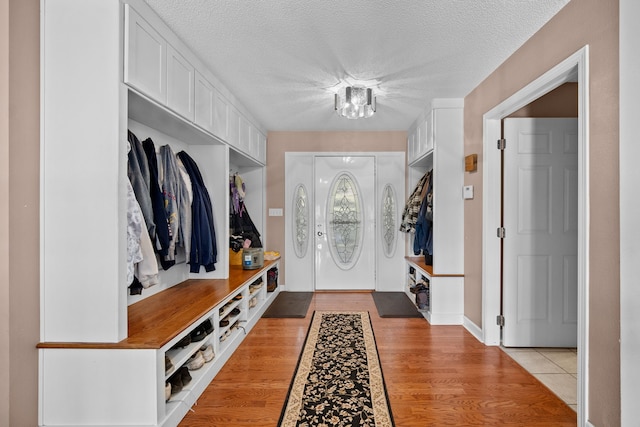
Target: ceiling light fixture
{"points": [[354, 102]]}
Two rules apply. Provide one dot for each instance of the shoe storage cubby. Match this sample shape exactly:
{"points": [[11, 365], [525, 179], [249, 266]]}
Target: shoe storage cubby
{"points": [[257, 294], [443, 302], [232, 317]]}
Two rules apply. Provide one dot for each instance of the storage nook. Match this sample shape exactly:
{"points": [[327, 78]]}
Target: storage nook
{"points": [[435, 143], [108, 356]]}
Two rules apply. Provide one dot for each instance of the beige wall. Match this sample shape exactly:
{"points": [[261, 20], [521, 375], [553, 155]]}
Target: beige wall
{"points": [[19, 214], [581, 22], [279, 143], [4, 212]]}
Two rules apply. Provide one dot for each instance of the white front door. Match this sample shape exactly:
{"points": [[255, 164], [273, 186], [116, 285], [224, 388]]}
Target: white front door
{"points": [[344, 229], [540, 218]]}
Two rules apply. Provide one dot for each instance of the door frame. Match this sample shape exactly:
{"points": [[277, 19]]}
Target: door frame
{"points": [[574, 68], [390, 168]]}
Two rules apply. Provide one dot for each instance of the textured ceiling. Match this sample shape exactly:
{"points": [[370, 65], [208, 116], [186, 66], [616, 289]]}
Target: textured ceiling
{"points": [[284, 59]]}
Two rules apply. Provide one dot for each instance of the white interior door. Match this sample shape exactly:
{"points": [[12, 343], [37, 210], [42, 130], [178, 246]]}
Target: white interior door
{"points": [[344, 229], [540, 218]]}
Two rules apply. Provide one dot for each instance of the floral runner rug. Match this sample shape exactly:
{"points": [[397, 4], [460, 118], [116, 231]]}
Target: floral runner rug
{"points": [[338, 381]]}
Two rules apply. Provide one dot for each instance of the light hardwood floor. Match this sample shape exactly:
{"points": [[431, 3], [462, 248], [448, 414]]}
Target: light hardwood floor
{"points": [[435, 376]]}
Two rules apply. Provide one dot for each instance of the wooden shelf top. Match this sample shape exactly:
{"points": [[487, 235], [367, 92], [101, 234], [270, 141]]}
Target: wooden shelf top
{"points": [[156, 320], [418, 261]]}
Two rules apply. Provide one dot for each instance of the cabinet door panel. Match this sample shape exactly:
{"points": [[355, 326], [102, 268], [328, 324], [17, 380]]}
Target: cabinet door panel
{"points": [[180, 81], [411, 147], [262, 148], [204, 99], [145, 57], [220, 116], [233, 135], [255, 144], [245, 135]]}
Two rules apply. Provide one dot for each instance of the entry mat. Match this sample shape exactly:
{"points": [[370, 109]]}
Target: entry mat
{"points": [[394, 304], [290, 304]]}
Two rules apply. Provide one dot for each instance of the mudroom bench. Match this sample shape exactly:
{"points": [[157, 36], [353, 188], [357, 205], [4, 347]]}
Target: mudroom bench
{"points": [[124, 383], [445, 300]]}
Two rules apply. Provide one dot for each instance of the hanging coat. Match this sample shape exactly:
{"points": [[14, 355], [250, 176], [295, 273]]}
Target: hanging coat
{"points": [[138, 173], [204, 250], [412, 207], [163, 232], [169, 178]]}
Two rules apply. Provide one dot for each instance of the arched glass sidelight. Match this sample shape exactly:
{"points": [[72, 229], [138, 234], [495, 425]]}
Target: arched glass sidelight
{"points": [[345, 217], [300, 221], [389, 220]]}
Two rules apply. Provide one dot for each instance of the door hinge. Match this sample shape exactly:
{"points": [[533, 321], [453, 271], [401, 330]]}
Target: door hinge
{"points": [[500, 320], [502, 144], [502, 233]]}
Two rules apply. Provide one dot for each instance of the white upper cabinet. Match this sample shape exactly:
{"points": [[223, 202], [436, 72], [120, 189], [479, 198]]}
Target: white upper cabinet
{"points": [[145, 57], [233, 131], [420, 140], [427, 127], [220, 116], [180, 81], [262, 149], [254, 151], [158, 66], [204, 103], [246, 134]]}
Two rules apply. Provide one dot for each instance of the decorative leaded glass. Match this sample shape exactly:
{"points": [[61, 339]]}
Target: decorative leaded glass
{"points": [[345, 217], [388, 220], [300, 221]]}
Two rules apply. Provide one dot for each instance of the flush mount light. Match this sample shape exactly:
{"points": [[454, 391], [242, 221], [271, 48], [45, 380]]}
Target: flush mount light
{"points": [[354, 102]]}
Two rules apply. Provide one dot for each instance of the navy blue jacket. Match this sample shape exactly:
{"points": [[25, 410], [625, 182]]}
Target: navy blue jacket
{"points": [[204, 250]]}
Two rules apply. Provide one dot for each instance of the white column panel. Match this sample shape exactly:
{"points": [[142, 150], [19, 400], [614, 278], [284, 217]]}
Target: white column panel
{"points": [[298, 270], [448, 209], [83, 164], [390, 170]]}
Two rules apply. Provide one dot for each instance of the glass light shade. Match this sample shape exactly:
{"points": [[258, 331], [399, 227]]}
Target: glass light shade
{"points": [[354, 102]]}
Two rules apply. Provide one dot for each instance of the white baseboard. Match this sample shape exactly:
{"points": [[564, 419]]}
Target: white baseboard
{"points": [[588, 424], [473, 329]]}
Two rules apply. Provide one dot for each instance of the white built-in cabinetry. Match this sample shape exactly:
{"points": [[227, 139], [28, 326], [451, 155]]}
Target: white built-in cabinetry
{"points": [[157, 65], [102, 351], [435, 142]]}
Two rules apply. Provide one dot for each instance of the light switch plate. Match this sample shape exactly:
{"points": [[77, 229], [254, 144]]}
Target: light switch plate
{"points": [[467, 192], [275, 211]]}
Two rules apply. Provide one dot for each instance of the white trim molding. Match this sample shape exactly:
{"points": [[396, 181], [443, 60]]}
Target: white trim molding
{"points": [[574, 68], [629, 211], [473, 329]]}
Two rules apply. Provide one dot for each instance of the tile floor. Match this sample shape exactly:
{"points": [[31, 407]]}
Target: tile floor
{"points": [[557, 368]]}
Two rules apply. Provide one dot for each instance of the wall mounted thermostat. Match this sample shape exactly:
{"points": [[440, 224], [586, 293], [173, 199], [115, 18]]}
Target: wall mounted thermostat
{"points": [[467, 192]]}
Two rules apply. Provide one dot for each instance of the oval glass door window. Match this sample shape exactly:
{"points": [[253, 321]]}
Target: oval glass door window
{"points": [[300, 221], [388, 220], [345, 217]]}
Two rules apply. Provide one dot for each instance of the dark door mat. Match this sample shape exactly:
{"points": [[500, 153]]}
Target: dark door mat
{"points": [[289, 304], [394, 304]]}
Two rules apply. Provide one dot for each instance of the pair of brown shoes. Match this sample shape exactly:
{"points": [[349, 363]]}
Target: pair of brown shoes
{"points": [[179, 380]]}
